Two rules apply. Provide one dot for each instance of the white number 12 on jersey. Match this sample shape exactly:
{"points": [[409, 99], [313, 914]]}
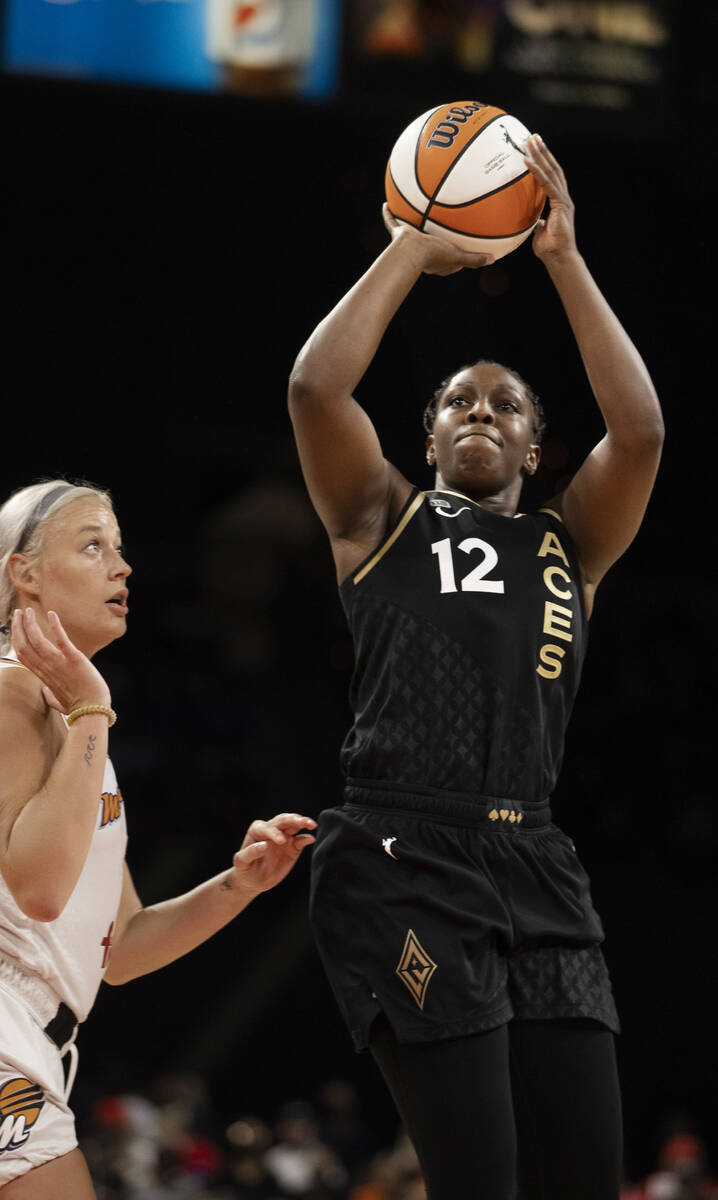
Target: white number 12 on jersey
{"points": [[476, 580]]}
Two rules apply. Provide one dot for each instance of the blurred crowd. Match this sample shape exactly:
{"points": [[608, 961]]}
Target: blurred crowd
{"points": [[169, 1145], [682, 1172]]}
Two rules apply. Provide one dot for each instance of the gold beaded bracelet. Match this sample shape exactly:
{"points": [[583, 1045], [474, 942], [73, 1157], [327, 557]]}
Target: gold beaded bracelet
{"points": [[92, 708]]}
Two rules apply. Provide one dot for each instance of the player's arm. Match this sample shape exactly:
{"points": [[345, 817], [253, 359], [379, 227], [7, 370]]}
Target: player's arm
{"points": [[604, 504], [48, 800], [350, 483], [149, 938]]}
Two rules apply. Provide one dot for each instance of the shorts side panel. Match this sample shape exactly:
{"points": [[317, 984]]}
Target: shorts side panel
{"points": [[557, 970], [36, 1124], [552, 983]]}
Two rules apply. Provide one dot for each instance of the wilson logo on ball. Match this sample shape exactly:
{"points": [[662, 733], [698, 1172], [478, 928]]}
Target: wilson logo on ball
{"points": [[445, 132], [20, 1105], [458, 171]]}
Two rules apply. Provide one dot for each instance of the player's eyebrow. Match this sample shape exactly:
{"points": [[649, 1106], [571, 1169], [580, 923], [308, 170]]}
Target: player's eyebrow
{"points": [[504, 385], [96, 529], [459, 383]]}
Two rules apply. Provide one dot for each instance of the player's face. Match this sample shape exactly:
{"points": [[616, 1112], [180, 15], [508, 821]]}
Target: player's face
{"points": [[82, 576], [482, 442]]}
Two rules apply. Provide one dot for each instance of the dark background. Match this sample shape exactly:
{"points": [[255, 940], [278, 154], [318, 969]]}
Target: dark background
{"points": [[167, 256]]}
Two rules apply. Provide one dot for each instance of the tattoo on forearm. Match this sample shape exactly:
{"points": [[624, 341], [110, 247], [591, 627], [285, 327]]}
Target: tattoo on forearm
{"points": [[225, 885], [89, 749]]}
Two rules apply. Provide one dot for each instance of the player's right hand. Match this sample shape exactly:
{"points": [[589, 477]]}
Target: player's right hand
{"points": [[435, 255], [555, 236], [69, 680]]}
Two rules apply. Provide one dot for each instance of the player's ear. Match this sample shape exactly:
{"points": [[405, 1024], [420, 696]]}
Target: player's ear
{"points": [[23, 574], [532, 460], [430, 450]]}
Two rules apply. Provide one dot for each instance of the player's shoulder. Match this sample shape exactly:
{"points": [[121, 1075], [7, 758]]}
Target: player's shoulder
{"points": [[20, 692]]}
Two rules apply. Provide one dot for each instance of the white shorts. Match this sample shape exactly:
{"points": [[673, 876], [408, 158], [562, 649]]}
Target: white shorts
{"points": [[36, 1124]]}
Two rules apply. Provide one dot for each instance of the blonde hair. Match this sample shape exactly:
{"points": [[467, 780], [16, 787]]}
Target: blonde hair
{"points": [[23, 520]]}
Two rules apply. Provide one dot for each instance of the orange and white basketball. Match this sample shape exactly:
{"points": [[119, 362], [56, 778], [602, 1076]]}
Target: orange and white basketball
{"points": [[458, 171]]}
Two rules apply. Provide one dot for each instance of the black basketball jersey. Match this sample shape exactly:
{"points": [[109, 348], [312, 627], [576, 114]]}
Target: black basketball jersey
{"points": [[469, 635]]}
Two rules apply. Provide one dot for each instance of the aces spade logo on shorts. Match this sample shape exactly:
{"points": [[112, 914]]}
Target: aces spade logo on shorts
{"points": [[20, 1104], [415, 968]]}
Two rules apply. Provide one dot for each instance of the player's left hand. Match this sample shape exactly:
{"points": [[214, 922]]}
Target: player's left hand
{"points": [[554, 236], [435, 255], [270, 850]]}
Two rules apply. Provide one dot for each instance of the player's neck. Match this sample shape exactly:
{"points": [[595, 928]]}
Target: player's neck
{"points": [[504, 503]]}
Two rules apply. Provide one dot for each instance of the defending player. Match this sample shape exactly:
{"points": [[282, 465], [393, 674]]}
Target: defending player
{"points": [[69, 913], [453, 918]]}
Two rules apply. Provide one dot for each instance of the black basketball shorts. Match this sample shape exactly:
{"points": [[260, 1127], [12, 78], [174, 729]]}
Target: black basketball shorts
{"points": [[453, 916]]}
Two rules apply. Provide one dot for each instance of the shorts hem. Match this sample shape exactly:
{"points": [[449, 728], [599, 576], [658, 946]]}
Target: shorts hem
{"points": [[567, 1012], [437, 1032], [28, 1163]]}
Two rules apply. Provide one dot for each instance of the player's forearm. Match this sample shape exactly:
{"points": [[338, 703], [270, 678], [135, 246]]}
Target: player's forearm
{"points": [[49, 840], [338, 353], [156, 936], [617, 374]]}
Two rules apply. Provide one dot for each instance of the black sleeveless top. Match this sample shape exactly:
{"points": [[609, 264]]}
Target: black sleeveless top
{"points": [[469, 635]]}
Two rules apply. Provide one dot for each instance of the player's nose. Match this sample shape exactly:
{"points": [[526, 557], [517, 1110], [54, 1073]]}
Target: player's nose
{"points": [[480, 410]]}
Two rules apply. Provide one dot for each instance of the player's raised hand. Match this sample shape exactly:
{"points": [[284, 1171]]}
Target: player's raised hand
{"points": [[555, 235], [435, 255], [68, 678], [270, 850]]}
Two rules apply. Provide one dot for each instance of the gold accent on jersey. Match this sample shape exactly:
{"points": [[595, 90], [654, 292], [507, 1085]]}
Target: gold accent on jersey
{"points": [[551, 545], [552, 513], [557, 620], [415, 968], [415, 504], [550, 666], [556, 617], [562, 593]]}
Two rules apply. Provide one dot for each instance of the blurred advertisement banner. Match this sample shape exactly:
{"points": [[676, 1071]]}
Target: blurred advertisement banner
{"points": [[589, 55], [591, 64], [271, 46], [265, 47]]}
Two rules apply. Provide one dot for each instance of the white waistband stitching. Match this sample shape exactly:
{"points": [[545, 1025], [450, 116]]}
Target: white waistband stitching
{"points": [[39, 996]]}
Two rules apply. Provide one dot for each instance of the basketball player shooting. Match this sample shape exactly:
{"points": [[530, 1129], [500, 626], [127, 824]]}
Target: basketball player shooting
{"points": [[453, 917]]}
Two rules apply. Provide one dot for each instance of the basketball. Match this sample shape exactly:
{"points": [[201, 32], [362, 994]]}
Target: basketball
{"points": [[458, 171]]}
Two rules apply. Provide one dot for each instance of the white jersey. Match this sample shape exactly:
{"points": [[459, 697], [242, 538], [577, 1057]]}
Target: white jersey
{"points": [[71, 953]]}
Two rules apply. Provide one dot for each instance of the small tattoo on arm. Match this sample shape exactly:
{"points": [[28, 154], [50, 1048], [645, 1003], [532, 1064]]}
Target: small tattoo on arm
{"points": [[89, 749], [225, 886]]}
